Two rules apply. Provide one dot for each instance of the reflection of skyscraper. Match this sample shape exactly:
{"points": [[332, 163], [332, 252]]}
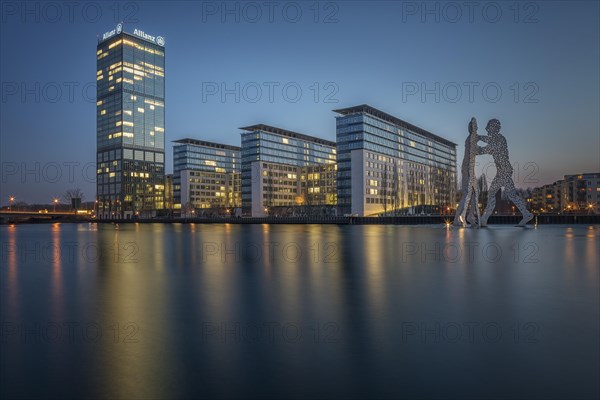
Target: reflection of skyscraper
{"points": [[130, 127]]}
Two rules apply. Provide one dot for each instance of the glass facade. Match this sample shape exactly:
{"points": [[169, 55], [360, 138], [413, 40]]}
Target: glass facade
{"points": [[206, 174], [274, 164], [130, 127], [403, 166]]}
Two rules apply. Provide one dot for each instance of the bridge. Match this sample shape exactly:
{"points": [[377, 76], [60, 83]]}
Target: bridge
{"points": [[12, 216]]}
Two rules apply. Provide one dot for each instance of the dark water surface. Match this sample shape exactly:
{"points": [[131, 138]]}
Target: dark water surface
{"points": [[182, 311]]}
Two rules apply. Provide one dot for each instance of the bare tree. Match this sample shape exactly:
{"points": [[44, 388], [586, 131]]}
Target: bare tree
{"points": [[188, 208], [268, 187], [483, 190], [396, 189], [384, 184], [73, 194], [73, 197]]}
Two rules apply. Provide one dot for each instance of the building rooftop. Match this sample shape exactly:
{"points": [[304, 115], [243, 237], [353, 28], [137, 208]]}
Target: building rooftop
{"points": [[204, 143], [141, 35], [584, 175], [365, 108], [284, 132]]}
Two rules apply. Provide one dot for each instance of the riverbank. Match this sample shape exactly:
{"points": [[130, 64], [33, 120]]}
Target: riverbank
{"points": [[562, 219]]}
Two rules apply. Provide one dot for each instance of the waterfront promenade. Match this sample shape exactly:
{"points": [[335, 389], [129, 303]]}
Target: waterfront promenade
{"points": [[424, 219]]}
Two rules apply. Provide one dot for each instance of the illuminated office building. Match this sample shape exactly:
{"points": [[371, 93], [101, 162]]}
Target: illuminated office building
{"points": [[130, 124], [283, 169], [206, 175], [388, 166]]}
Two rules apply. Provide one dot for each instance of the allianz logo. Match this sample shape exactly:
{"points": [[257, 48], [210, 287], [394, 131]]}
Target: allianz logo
{"points": [[119, 28], [115, 31], [155, 39]]}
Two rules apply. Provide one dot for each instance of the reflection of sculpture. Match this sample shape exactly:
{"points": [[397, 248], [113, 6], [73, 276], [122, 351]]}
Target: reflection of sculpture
{"points": [[496, 146], [470, 189]]}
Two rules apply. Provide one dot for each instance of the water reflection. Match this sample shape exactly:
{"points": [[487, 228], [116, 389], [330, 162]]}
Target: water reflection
{"points": [[188, 310]]}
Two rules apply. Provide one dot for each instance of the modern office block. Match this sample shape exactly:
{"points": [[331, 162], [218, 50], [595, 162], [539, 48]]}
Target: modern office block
{"points": [[206, 175], [388, 166], [282, 169]]}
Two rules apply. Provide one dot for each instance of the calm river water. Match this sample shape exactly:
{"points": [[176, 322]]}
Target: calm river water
{"points": [[183, 310]]}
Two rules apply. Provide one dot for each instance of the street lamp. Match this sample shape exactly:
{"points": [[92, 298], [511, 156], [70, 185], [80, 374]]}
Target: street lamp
{"points": [[55, 201], [11, 201]]}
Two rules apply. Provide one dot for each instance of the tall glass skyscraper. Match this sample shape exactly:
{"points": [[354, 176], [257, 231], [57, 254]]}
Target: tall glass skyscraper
{"points": [[387, 165], [130, 124]]}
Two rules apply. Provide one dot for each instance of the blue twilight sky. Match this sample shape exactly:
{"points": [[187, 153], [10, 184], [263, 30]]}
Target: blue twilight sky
{"points": [[409, 59]]}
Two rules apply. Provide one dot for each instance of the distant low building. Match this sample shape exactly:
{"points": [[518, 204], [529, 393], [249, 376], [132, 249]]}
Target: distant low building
{"points": [[547, 198], [581, 192], [574, 193]]}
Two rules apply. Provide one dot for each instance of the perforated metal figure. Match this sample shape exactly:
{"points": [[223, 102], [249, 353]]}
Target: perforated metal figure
{"points": [[470, 189], [496, 146]]}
